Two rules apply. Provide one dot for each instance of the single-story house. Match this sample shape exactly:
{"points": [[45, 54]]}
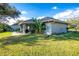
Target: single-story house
{"points": [[52, 26], [15, 27]]}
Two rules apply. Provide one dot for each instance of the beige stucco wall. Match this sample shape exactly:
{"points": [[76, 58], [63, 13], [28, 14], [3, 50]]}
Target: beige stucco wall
{"points": [[52, 28]]}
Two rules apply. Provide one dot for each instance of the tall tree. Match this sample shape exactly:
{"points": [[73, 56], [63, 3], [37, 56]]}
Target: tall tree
{"points": [[6, 10], [73, 22]]}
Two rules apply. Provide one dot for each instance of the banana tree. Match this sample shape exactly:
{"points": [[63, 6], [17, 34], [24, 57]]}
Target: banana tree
{"points": [[38, 25]]}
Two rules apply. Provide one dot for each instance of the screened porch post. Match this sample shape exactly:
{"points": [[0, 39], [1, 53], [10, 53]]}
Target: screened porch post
{"points": [[24, 28], [20, 28]]}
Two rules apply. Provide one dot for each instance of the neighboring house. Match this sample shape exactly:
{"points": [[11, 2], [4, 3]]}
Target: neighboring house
{"points": [[53, 26], [15, 27]]}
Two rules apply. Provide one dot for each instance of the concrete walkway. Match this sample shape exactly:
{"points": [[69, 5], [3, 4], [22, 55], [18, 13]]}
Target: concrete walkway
{"points": [[16, 33]]}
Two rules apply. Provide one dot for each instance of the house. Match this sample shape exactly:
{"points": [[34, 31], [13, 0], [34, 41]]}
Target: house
{"points": [[15, 27], [52, 26]]}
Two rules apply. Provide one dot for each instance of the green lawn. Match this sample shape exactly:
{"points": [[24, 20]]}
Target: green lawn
{"points": [[5, 34], [39, 45]]}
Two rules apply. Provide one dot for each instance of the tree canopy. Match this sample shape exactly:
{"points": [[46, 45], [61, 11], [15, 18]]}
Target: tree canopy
{"points": [[73, 23], [6, 10]]}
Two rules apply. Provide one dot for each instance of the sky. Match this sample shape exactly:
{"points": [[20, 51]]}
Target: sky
{"points": [[40, 10]]}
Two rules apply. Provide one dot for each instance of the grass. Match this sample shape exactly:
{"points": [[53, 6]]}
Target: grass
{"points": [[5, 34], [40, 45]]}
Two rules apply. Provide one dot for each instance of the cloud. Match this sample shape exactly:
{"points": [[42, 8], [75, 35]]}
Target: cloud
{"points": [[24, 12], [40, 17], [54, 7], [12, 21], [67, 14], [63, 14], [23, 18], [76, 12]]}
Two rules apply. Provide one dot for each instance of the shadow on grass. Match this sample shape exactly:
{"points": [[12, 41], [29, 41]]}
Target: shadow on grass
{"points": [[33, 38], [29, 39], [71, 35]]}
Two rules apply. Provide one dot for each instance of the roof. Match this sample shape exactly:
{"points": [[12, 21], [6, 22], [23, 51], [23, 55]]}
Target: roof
{"points": [[27, 22], [45, 20]]}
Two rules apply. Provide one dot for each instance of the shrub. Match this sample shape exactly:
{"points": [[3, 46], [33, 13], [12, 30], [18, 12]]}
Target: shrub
{"points": [[5, 27]]}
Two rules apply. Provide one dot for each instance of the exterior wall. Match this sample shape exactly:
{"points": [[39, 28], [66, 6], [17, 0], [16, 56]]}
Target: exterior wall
{"points": [[55, 28], [15, 27]]}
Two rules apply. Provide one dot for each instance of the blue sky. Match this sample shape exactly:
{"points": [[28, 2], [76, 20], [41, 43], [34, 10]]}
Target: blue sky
{"points": [[59, 11], [43, 9]]}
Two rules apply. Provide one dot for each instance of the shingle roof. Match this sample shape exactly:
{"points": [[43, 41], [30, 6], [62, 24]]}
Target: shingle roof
{"points": [[46, 20]]}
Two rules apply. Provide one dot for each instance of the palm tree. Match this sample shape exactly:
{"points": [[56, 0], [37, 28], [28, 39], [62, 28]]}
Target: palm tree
{"points": [[38, 25]]}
